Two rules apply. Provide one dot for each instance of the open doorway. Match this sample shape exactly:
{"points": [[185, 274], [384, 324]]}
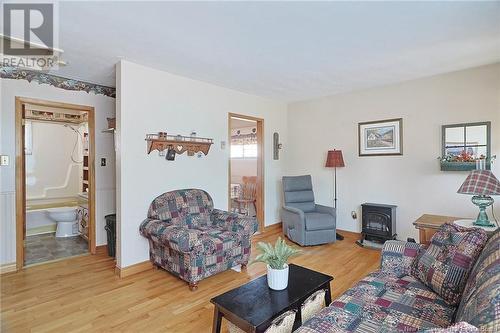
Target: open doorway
{"points": [[246, 168], [55, 190]]}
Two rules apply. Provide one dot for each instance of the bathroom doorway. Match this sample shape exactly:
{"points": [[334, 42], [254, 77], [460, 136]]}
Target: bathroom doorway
{"points": [[55, 191], [246, 166]]}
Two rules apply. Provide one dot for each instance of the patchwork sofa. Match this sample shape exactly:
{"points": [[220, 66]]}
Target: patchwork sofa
{"points": [[191, 239], [393, 300]]}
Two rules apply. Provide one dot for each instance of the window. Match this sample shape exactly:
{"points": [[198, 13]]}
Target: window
{"points": [[245, 151], [236, 151], [472, 139]]}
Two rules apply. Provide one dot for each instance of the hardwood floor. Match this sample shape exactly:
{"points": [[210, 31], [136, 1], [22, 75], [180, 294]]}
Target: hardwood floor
{"points": [[84, 295]]}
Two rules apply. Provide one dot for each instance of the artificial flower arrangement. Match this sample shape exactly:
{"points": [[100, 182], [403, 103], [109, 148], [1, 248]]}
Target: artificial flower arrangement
{"points": [[464, 161]]}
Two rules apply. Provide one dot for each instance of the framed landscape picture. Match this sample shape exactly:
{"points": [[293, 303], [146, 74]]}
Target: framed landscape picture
{"points": [[381, 137]]}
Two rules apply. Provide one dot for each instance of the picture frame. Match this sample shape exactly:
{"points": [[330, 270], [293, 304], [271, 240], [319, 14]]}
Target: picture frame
{"points": [[380, 137]]}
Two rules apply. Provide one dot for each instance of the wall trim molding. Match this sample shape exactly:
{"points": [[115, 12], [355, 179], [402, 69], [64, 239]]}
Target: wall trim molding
{"points": [[133, 269], [8, 268], [351, 233], [56, 81], [101, 247], [273, 227]]}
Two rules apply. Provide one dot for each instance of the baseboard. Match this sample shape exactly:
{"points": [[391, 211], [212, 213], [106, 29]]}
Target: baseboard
{"points": [[103, 248], [349, 233], [273, 227], [8, 268], [133, 269]]}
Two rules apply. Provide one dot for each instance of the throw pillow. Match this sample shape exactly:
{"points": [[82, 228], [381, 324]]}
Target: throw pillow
{"points": [[446, 263]]}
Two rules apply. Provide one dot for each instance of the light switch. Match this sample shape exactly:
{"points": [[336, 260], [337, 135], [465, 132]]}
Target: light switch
{"points": [[4, 159]]}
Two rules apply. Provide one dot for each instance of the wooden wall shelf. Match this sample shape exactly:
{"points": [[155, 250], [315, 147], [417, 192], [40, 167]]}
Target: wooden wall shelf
{"points": [[179, 143]]}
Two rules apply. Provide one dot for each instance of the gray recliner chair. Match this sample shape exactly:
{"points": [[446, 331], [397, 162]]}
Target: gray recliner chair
{"points": [[304, 222]]}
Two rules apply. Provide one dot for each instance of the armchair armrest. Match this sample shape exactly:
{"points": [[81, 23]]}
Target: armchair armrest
{"points": [[234, 222], [179, 238], [325, 210], [397, 256]]}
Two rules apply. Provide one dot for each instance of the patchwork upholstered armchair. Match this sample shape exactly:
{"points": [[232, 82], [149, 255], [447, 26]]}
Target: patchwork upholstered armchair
{"points": [[191, 239]]}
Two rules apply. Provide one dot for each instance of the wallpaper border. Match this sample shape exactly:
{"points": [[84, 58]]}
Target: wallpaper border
{"points": [[56, 81]]}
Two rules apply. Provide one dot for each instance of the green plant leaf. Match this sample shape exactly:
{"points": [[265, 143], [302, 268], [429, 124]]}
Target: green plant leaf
{"points": [[276, 257]]}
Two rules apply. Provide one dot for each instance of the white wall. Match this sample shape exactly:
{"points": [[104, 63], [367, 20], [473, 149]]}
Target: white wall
{"points": [[149, 101], [50, 172], [105, 176], [412, 181]]}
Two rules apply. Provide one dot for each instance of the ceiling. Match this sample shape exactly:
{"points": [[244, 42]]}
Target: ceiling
{"points": [[283, 50]]}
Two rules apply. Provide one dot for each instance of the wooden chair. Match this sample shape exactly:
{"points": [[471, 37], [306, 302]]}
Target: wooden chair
{"points": [[248, 194]]}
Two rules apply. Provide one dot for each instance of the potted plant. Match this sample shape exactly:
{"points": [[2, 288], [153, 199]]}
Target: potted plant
{"points": [[276, 259]]}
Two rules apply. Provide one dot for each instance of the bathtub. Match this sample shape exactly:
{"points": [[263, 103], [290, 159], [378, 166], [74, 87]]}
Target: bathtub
{"points": [[37, 218]]}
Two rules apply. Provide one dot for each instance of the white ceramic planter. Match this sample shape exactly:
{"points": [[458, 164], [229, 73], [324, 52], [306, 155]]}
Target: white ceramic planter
{"points": [[277, 279]]}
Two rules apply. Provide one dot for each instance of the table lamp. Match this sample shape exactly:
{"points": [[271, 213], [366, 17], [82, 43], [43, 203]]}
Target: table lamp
{"points": [[335, 160], [481, 184]]}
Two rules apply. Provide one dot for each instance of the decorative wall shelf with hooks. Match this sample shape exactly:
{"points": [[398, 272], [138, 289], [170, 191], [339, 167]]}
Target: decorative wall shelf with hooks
{"points": [[178, 143]]}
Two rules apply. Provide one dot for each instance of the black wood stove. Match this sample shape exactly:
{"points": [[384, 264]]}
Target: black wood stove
{"points": [[378, 222]]}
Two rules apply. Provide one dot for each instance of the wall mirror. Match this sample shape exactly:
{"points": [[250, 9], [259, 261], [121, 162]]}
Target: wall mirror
{"points": [[463, 145]]}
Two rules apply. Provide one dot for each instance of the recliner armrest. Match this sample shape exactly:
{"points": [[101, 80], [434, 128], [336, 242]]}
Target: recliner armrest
{"points": [[292, 218], [294, 211], [325, 210]]}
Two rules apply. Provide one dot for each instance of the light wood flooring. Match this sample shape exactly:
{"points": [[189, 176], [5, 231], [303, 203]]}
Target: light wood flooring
{"points": [[83, 294]]}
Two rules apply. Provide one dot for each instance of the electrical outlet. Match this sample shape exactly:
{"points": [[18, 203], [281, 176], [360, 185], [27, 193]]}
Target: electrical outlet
{"points": [[223, 145], [103, 161], [4, 160], [354, 215]]}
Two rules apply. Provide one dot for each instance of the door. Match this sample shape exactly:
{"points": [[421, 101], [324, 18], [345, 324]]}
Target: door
{"points": [[246, 133]]}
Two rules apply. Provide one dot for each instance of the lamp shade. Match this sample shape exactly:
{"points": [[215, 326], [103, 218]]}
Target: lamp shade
{"points": [[480, 182], [334, 159]]}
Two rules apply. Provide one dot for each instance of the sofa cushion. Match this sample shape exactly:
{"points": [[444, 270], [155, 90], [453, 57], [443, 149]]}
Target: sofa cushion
{"points": [[217, 240], [445, 265], [461, 327], [234, 222], [383, 302], [319, 221], [480, 304]]}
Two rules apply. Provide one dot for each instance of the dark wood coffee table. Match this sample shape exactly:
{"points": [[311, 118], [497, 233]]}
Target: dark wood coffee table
{"points": [[253, 306]]}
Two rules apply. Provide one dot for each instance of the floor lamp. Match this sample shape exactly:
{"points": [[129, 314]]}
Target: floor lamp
{"points": [[335, 160]]}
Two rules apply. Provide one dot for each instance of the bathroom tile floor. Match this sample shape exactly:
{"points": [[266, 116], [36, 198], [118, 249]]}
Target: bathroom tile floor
{"points": [[46, 247]]}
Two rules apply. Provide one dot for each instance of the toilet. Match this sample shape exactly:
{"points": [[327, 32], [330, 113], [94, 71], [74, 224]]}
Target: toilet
{"points": [[66, 219]]}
